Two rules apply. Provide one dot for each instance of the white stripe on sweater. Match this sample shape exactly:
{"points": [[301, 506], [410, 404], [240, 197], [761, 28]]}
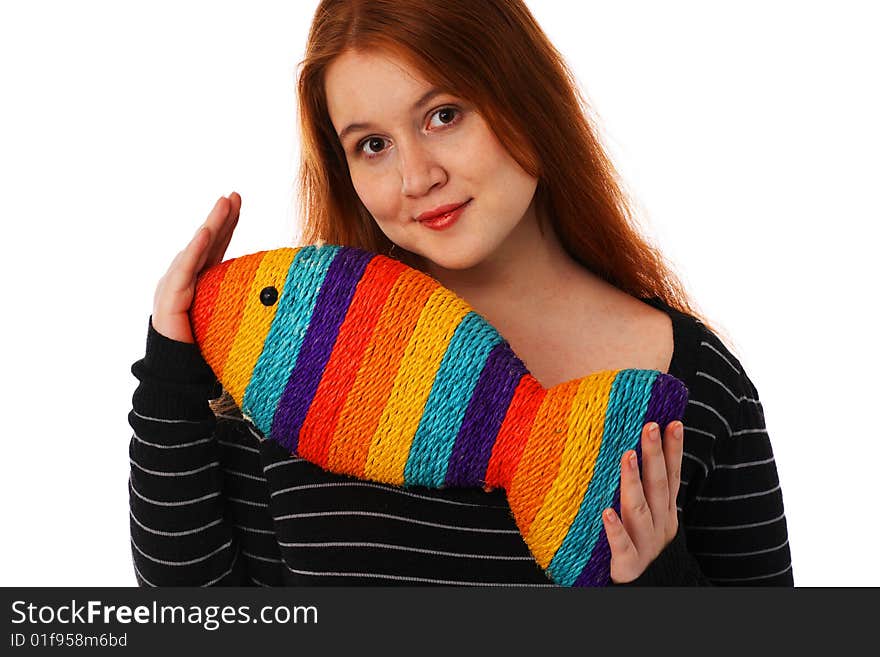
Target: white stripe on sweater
{"points": [[405, 548], [194, 500], [402, 578], [730, 392], [179, 473], [168, 421], [189, 444], [781, 516], [187, 562], [260, 558], [749, 464], [742, 554], [229, 570], [371, 514], [723, 357], [236, 473], [710, 408], [747, 579], [728, 498], [185, 532]]}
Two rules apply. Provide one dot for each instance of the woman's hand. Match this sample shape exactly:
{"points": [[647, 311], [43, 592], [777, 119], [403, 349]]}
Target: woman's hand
{"points": [[650, 518], [174, 294]]}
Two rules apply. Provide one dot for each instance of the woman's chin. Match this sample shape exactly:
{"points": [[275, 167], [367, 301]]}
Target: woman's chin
{"points": [[451, 261]]}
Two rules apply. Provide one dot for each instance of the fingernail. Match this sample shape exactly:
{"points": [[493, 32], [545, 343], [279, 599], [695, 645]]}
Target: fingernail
{"points": [[609, 516], [654, 431], [633, 461], [679, 430]]}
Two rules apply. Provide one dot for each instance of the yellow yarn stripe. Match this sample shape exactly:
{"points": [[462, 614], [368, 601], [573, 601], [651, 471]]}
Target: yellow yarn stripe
{"points": [[586, 423], [256, 320], [392, 441]]}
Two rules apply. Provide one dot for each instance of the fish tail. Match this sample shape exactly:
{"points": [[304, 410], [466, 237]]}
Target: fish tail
{"points": [[559, 461], [584, 559]]}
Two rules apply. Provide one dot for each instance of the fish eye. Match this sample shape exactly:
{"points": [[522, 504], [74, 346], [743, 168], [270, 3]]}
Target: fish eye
{"points": [[268, 296]]}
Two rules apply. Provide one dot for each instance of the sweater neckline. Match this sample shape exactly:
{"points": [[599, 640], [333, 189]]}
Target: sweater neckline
{"points": [[684, 339]]}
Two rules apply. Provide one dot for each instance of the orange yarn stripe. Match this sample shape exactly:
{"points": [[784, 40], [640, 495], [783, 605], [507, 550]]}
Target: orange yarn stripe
{"points": [[540, 460], [375, 378], [234, 291], [514, 432], [345, 359], [203, 306]]}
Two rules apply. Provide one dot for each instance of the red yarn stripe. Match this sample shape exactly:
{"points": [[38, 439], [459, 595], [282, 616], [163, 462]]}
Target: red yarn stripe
{"points": [[514, 432], [202, 309]]}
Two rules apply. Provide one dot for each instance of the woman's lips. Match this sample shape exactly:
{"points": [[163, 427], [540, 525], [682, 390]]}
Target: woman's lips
{"points": [[444, 221]]}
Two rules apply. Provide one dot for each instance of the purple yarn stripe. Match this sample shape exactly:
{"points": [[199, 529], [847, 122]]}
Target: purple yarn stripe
{"points": [[483, 418], [331, 306], [667, 403]]}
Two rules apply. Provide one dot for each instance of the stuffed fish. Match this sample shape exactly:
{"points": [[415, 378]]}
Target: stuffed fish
{"points": [[367, 367]]}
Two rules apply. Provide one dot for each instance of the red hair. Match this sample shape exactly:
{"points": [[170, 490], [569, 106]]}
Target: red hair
{"points": [[494, 54]]}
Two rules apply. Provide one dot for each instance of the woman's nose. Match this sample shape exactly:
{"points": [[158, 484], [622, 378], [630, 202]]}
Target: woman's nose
{"points": [[419, 170]]}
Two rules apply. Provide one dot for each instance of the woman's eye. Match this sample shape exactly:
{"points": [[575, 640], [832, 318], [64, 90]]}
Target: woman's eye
{"points": [[447, 111], [449, 116], [372, 142], [268, 296]]}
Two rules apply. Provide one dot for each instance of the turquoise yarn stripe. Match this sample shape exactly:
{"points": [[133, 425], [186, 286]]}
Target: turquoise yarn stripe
{"points": [[627, 405], [458, 374], [284, 340]]}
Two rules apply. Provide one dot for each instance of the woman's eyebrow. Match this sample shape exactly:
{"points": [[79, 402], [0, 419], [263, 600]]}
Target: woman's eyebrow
{"points": [[428, 95]]}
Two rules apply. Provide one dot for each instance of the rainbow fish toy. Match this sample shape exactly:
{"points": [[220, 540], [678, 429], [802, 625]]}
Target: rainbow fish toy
{"points": [[370, 368]]}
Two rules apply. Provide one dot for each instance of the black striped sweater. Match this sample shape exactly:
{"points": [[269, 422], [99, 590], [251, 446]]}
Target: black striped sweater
{"points": [[213, 503]]}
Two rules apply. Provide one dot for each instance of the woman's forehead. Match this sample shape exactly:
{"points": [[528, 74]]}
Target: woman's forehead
{"points": [[363, 87]]}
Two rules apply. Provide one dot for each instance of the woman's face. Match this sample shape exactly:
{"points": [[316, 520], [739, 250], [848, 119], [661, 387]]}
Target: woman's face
{"points": [[413, 158]]}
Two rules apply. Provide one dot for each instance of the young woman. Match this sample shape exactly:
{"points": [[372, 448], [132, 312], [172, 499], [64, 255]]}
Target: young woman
{"points": [[464, 111]]}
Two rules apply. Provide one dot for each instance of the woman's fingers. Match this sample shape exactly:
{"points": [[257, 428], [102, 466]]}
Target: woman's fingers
{"points": [[624, 557], [673, 451], [654, 479], [222, 226], [648, 515], [174, 293], [229, 226], [634, 509], [203, 257], [182, 271]]}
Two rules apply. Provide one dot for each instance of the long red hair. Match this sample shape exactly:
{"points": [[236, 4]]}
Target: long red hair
{"points": [[494, 54]]}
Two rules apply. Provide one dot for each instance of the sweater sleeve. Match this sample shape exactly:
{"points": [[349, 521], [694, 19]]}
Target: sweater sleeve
{"points": [[736, 525], [674, 566], [178, 533]]}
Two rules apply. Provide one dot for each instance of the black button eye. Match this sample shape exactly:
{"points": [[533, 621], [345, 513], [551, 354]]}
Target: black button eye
{"points": [[269, 296]]}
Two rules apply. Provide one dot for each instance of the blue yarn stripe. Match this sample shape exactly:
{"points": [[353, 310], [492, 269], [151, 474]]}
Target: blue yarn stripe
{"points": [[458, 374], [627, 405], [285, 337]]}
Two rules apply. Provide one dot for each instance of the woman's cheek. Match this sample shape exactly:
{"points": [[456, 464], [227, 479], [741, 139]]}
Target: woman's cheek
{"points": [[367, 189]]}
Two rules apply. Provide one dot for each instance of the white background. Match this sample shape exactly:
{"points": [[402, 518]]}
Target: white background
{"points": [[748, 133]]}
